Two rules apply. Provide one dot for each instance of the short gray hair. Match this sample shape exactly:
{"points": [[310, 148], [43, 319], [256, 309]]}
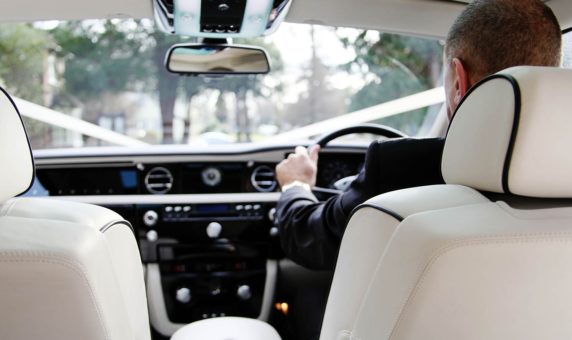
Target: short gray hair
{"points": [[491, 35]]}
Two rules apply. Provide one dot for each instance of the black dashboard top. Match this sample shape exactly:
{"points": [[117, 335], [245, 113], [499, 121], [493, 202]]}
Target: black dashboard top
{"points": [[243, 168]]}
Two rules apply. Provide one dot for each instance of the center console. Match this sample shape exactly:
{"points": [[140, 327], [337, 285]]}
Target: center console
{"points": [[212, 257]]}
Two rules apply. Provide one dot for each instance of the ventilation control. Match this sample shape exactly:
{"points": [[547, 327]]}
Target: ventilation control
{"points": [[159, 180], [263, 179]]}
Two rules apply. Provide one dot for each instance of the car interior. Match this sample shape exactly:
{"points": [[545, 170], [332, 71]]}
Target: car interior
{"points": [[137, 237]]}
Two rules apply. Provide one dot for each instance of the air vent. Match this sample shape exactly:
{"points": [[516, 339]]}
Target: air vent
{"points": [[263, 179], [159, 180]]}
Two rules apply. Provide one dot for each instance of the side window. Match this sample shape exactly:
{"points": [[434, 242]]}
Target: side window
{"points": [[567, 49]]}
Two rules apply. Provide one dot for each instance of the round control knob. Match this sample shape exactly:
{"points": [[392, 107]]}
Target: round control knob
{"points": [[211, 176], [183, 295], [152, 236], [150, 218], [244, 292], [274, 231], [271, 214], [214, 229]]}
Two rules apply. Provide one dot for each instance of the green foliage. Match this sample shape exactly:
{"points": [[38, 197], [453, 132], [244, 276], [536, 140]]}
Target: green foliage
{"points": [[103, 58], [320, 101], [109, 57], [397, 66], [276, 62], [114, 56], [419, 58], [23, 53], [243, 85], [23, 50]]}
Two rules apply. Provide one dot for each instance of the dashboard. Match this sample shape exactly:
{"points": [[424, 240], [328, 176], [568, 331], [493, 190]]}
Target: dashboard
{"points": [[115, 173], [154, 178], [203, 220]]}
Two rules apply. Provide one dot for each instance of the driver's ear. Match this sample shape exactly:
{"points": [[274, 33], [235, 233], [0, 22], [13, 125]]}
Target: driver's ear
{"points": [[461, 82]]}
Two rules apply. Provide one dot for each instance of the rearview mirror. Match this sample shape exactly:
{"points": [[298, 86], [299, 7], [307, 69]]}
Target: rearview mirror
{"points": [[195, 59]]}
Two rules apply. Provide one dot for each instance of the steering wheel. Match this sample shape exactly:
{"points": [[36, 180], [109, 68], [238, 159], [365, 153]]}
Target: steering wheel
{"points": [[374, 129]]}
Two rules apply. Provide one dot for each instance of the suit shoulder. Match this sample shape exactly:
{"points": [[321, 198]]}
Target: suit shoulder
{"points": [[409, 145]]}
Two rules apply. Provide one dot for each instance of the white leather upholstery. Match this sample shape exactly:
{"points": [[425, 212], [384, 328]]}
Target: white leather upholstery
{"points": [[365, 241], [534, 115], [476, 270], [67, 270], [445, 262], [227, 328], [14, 150]]}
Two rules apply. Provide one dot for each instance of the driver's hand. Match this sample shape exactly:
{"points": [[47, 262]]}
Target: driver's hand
{"points": [[300, 166]]}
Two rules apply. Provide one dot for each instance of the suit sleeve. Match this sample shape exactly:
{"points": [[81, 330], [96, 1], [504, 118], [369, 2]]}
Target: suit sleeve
{"points": [[311, 231]]}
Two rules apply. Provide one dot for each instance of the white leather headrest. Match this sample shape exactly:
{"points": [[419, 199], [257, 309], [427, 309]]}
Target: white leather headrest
{"points": [[512, 134], [17, 171]]}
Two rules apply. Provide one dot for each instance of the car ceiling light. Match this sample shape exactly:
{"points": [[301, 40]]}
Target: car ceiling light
{"points": [[221, 18], [193, 19]]}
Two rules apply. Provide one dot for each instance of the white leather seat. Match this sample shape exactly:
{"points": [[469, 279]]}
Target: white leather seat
{"points": [[67, 270], [487, 256]]}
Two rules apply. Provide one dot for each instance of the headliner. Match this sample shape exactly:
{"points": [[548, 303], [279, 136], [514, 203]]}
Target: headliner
{"points": [[416, 17]]}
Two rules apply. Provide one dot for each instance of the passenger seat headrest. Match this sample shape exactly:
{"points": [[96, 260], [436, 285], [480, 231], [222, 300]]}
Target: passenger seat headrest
{"points": [[512, 134], [17, 171]]}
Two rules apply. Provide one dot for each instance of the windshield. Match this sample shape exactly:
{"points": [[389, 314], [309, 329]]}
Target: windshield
{"points": [[101, 83]]}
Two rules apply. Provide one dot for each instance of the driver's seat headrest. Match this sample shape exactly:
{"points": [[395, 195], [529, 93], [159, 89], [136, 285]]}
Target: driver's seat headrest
{"points": [[512, 134], [15, 153]]}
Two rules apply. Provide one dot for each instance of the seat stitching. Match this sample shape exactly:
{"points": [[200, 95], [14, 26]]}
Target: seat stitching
{"points": [[450, 246], [7, 208], [56, 260]]}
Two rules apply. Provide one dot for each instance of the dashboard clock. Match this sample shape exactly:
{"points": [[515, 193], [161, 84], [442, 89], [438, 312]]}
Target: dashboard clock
{"points": [[211, 176]]}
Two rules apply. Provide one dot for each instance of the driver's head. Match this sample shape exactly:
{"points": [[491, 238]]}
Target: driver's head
{"points": [[492, 35]]}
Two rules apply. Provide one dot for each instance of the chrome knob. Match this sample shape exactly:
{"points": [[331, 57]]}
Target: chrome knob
{"points": [[152, 236], [274, 231], [150, 218], [244, 292], [183, 295], [272, 214], [214, 229]]}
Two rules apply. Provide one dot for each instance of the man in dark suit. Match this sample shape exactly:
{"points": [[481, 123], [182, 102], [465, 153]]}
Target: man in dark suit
{"points": [[488, 36]]}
